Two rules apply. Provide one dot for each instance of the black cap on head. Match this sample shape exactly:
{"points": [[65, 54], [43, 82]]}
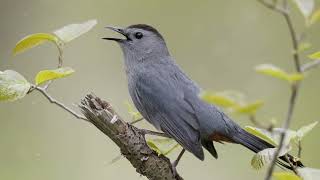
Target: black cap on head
{"points": [[146, 28]]}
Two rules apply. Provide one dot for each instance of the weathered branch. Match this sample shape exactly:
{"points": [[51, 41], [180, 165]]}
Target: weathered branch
{"points": [[129, 139]]}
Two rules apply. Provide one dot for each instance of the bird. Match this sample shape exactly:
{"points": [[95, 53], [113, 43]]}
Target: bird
{"points": [[168, 99]]}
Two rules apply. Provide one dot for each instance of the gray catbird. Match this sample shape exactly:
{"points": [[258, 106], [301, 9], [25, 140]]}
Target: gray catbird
{"points": [[169, 99]]}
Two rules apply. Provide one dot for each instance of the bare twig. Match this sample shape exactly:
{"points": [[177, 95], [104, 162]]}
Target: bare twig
{"points": [[60, 57], [295, 87], [310, 65], [295, 42], [299, 149], [273, 6], [46, 86], [257, 123], [54, 101]]}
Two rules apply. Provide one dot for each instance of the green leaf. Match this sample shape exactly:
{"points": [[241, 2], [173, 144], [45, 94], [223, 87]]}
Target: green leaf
{"points": [[315, 17], [305, 6], [262, 158], [265, 156], [290, 135], [305, 130], [315, 55], [309, 173], [154, 147], [60, 36], [249, 109], [171, 150], [285, 176], [271, 70], [274, 136], [234, 101], [162, 145], [218, 99], [163, 141], [13, 86], [304, 46], [72, 31], [261, 134], [47, 75], [33, 40], [133, 112], [295, 77]]}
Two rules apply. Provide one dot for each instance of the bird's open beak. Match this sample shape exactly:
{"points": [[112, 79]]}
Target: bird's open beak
{"points": [[118, 30]]}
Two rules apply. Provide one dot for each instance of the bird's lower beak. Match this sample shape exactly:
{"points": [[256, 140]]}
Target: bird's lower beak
{"points": [[118, 30]]}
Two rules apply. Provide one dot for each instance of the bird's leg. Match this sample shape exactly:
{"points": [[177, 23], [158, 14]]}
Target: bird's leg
{"points": [[175, 163], [145, 131]]}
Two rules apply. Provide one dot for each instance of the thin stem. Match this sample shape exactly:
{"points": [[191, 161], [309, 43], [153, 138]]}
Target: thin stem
{"points": [[285, 126], [54, 101], [295, 87], [299, 149], [60, 56], [295, 42], [257, 123], [284, 11], [47, 85], [310, 65], [273, 6], [60, 63]]}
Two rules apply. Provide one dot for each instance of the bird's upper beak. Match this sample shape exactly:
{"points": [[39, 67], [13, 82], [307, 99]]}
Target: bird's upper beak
{"points": [[118, 30]]}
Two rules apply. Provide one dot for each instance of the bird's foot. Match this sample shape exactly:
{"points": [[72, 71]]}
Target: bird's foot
{"points": [[176, 162], [174, 170]]}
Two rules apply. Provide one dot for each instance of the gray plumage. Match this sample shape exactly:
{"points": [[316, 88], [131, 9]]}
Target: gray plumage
{"points": [[169, 99]]}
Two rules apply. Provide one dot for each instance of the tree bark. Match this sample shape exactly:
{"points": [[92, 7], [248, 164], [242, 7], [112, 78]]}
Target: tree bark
{"points": [[129, 139]]}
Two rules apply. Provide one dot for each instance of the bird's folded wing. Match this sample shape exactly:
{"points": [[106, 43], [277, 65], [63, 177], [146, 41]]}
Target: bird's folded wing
{"points": [[163, 105]]}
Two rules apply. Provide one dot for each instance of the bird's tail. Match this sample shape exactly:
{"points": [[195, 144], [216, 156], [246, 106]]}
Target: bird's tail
{"points": [[256, 144]]}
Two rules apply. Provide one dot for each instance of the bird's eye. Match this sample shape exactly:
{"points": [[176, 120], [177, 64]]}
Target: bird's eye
{"points": [[138, 35]]}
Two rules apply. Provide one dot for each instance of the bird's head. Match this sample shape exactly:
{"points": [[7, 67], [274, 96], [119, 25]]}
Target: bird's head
{"points": [[140, 41]]}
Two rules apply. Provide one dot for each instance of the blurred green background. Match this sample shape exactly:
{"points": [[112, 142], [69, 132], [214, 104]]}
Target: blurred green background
{"points": [[216, 42]]}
